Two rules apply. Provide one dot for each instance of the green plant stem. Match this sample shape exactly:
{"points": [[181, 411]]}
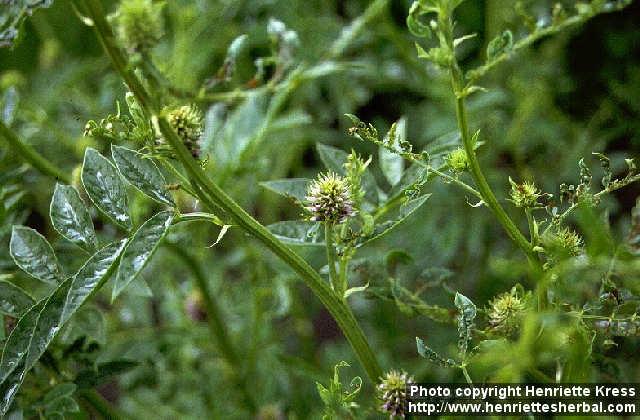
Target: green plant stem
{"points": [[216, 324], [466, 374], [101, 406], [212, 196], [31, 156], [532, 230], [331, 258], [478, 176]]}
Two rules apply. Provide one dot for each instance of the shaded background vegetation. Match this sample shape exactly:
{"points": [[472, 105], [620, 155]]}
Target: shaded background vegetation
{"points": [[547, 107]]}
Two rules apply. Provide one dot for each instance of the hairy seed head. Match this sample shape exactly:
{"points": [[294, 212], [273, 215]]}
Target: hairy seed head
{"points": [[187, 121], [506, 311], [524, 195], [392, 392], [457, 160], [329, 199], [138, 24]]}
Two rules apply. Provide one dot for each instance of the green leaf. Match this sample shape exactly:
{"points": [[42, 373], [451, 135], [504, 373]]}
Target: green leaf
{"points": [[432, 356], [13, 13], [467, 314], [40, 325], [295, 188], [91, 378], [34, 255], [334, 160], [91, 276], [140, 249], [392, 164], [13, 300], [59, 391], [17, 344], [298, 232], [382, 229], [105, 187], [142, 173], [70, 217]]}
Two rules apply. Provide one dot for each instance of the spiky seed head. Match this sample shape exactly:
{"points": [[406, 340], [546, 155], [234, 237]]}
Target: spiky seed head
{"points": [[563, 242], [457, 160], [524, 195], [138, 24], [506, 311], [187, 121], [329, 199], [392, 392]]}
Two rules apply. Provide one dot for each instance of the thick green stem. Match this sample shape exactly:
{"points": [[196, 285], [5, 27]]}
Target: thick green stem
{"points": [[213, 196], [30, 155], [216, 324]]}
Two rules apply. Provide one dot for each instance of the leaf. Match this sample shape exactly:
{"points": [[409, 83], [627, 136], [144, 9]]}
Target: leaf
{"points": [[142, 173], [466, 317], [91, 378], [13, 300], [295, 188], [296, 232], [70, 217], [59, 391], [356, 289], [13, 13], [87, 280], [140, 249], [40, 325], [334, 160], [105, 187], [432, 356], [392, 164], [382, 229], [34, 255], [17, 344]]}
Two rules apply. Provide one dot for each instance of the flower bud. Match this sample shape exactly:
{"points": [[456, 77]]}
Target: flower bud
{"points": [[187, 121], [194, 307], [457, 160], [329, 199], [138, 24], [393, 394]]}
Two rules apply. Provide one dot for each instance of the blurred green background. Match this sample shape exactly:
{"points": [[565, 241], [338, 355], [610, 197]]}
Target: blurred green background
{"points": [[546, 107]]}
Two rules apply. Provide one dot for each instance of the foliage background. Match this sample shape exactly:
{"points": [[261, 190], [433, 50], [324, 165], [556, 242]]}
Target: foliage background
{"points": [[558, 101]]}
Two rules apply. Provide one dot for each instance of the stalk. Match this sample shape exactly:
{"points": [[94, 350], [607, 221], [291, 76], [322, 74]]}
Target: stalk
{"points": [[213, 196], [331, 258], [32, 157], [481, 182], [216, 324]]}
